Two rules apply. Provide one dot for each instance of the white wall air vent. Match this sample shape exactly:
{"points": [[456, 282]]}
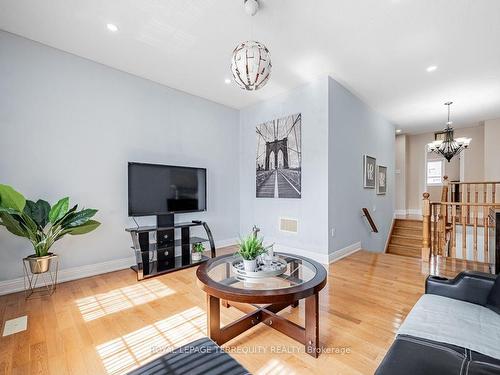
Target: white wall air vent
{"points": [[289, 225]]}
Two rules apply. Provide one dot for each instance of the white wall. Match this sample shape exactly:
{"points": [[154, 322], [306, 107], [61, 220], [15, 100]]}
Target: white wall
{"points": [[492, 150], [311, 210], [415, 164], [355, 129], [69, 126], [400, 172]]}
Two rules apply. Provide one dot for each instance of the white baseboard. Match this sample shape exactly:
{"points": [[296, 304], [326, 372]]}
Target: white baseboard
{"points": [[407, 212], [73, 273], [342, 253], [317, 256], [323, 258]]}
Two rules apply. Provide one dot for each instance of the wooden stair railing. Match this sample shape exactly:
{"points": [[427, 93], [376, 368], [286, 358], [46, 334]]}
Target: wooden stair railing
{"points": [[473, 192], [443, 220], [368, 217]]}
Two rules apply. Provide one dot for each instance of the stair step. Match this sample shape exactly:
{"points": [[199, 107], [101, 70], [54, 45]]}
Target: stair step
{"points": [[407, 223], [404, 250], [415, 242], [405, 231]]}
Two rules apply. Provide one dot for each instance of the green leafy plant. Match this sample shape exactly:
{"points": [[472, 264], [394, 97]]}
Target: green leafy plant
{"points": [[198, 247], [251, 247], [40, 223]]}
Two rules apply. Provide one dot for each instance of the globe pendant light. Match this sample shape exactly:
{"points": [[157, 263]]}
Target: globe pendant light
{"points": [[448, 147], [251, 60]]}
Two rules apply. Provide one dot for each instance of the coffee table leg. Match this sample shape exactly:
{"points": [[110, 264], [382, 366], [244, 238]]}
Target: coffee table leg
{"points": [[228, 274], [312, 325], [213, 318]]}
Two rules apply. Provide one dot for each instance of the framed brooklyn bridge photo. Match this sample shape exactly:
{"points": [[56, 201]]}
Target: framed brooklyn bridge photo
{"points": [[279, 158]]}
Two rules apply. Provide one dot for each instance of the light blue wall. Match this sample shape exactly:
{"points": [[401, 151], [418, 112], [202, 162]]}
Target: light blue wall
{"points": [[337, 129], [354, 130], [68, 126], [312, 209]]}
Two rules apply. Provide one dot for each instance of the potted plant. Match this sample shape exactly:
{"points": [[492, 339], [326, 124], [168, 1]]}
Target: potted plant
{"points": [[198, 249], [250, 248], [42, 224]]}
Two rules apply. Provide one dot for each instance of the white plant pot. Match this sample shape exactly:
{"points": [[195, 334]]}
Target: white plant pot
{"points": [[250, 265], [196, 256]]}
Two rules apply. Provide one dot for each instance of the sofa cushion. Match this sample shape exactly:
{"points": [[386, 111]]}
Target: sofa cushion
{"points": [[455, 322], [416, 356], [493, 302]]}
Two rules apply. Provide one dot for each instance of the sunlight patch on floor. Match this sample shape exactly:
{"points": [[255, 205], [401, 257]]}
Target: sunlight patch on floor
{"points": [[275, 367], [100, 305], [121, 355]]}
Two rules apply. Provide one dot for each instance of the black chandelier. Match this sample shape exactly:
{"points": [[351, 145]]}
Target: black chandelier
{"points": [[448, 147]]}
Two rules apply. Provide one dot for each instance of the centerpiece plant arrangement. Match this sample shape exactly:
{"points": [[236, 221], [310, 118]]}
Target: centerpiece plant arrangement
{"points": [[250, 248], [42, 224], [198, 249]]}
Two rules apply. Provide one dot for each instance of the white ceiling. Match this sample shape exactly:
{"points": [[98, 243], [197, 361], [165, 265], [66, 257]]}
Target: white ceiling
{"points": [[379, 49]]}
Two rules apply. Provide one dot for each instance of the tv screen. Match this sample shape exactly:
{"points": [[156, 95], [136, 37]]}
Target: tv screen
{"points": [[160, 189]]}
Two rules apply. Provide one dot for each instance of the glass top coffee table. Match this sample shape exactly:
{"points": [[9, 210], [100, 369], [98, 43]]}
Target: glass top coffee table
{"points": [[262, 299]]}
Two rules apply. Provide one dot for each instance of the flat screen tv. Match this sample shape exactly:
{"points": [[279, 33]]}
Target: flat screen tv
{"points": [[155, 189]]}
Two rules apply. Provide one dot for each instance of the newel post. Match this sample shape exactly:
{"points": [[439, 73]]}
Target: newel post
{"points": [[443, 216], [426, 232]]}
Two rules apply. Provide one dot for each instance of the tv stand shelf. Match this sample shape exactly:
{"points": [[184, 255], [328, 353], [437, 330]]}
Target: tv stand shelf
{"points": [[154, 228], [178, 243], [161, 257]]}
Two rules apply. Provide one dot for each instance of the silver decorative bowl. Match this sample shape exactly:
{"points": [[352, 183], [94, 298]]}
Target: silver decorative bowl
{"points": [[276, 267]]}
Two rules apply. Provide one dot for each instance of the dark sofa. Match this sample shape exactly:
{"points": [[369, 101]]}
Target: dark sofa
{"points": [[464, 300]]}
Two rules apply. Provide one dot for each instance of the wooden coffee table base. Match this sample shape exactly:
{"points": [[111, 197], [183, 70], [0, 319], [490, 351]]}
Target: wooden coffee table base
{"points": [[308, 336]]}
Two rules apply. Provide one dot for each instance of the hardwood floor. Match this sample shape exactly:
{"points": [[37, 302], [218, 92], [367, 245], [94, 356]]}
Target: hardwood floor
{"points": [[110, 324]]}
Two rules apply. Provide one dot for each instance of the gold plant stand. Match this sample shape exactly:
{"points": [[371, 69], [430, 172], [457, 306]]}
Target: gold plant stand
{"points": [[39, 284]]}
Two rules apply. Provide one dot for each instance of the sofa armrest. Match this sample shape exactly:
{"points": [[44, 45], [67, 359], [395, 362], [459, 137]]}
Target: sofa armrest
{"points": [[467, 286]]}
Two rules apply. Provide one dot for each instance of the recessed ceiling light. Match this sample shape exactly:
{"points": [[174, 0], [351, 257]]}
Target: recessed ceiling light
{"points": [[398, 131], [112, 27], [431, 68], [227, 81]]}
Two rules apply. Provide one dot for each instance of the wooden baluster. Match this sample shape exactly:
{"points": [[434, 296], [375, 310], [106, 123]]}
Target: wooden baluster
{"points": [[474, 233], [464, 196], [486, 221], [453, 231], [435, 244], [468, 201], [426, 231], [485, 193], [493, 193], [464, 232]]}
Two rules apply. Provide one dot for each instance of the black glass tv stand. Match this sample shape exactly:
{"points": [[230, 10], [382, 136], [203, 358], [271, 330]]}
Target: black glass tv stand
{"points": [[169, 253]]}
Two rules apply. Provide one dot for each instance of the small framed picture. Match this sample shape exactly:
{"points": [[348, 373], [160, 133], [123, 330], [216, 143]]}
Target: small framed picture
{"points": [[381, 180], [369, 164]]}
